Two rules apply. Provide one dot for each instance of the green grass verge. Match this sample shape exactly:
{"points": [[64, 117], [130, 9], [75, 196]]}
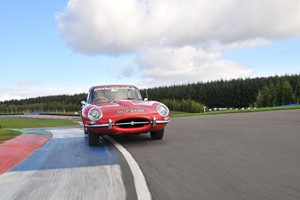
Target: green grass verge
{"points": [[183, 114], [8, 134], [6, 123], [33, 123]]}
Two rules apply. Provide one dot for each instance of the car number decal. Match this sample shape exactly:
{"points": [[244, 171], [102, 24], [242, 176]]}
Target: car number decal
{"points": [[130, 111]]}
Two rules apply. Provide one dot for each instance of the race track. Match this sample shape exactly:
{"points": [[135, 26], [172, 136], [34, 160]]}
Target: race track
{"points": [[232, 156], [67, 168], [223, 157]]}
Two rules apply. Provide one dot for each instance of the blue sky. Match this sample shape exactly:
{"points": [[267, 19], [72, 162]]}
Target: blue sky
{"points": [[64, 47], [282, 57]]}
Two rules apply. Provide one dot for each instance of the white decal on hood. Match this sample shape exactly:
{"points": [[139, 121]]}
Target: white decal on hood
{"points": [[130, 111]]}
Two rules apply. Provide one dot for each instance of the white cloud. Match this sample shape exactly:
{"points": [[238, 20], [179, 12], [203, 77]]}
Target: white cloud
{"points": [[186, 64], [176, 40], [126, 70], [244, 44], [113, 26], [21, 93]]}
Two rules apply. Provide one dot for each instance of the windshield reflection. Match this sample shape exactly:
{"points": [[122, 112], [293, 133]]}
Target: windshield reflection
{"points": [[106, 94]]}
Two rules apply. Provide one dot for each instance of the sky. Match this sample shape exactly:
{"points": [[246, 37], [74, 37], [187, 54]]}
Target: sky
{"points": [[66, 46]]}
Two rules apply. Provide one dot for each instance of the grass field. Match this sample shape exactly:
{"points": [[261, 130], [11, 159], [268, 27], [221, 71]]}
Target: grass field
{"points": [[8, 134], [6, 123]]}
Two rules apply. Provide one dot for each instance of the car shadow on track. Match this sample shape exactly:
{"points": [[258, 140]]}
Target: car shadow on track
{"points": [[137, 140]]}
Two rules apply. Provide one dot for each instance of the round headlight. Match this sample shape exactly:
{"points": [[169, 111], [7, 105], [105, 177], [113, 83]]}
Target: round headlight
{"points": [[94, 114], [162, 110]]}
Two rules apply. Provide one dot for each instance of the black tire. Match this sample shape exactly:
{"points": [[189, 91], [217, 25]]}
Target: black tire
{"points": [[157, 135], [93, 139], [85, 130]]}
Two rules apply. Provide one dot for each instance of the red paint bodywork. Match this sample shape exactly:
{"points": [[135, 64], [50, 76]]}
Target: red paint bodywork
{"points": [[124, 111]]}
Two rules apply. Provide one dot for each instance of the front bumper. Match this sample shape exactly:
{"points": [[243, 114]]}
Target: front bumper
{"points": [[110, 123], [131, 126]]}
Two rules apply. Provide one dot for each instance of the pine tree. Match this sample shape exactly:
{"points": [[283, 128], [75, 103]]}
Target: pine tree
{"points": [[278, 94], [271, 95], [287, 93], [297, 90], [262, 97]]}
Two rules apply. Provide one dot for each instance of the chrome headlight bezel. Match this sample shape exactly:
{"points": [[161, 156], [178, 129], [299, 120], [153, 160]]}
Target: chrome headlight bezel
{"points": [[94, 114], [162, 110]]}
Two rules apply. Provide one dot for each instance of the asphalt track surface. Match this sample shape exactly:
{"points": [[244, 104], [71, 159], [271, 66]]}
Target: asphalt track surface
{"points": [[232, 156], [67, 168], [218, 157]]}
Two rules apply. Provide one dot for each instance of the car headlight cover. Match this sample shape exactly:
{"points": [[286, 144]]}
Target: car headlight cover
{"points": [[162, 110], [94, 114]]}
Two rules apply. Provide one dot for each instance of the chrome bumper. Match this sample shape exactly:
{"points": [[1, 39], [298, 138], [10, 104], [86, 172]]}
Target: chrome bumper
{"points": [[110, 123]]}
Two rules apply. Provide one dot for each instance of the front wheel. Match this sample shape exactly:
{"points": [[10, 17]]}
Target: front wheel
{"points": [[157, 135], [93, 139], [85, 130]]}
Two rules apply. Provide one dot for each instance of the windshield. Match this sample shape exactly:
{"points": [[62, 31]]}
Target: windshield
{"points": [[105, 94]]}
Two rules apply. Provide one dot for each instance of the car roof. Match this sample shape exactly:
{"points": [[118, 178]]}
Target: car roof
{"points": [[113, 85]]}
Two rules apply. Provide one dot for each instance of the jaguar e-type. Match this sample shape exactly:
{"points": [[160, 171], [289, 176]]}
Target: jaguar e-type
{"points": [[120, 109]]}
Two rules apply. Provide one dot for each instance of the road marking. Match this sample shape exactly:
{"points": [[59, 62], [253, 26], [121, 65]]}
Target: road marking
{"points": [[138, 176], [14, 151], [51, 172]]}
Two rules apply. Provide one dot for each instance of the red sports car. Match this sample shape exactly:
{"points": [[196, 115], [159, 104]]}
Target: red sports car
{"points": [[120, 109]]}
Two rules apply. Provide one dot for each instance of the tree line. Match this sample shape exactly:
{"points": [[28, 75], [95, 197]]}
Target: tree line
{"points": [[236, 93], [47, 104], [184, 105], [190, 97], [280, 93]]}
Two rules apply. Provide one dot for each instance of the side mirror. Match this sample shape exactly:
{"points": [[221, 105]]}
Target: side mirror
{"points": [[146, 99], [83, 103]]}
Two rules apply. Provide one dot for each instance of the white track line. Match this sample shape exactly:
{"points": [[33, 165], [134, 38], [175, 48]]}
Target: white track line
{"points": [[138, 176]]}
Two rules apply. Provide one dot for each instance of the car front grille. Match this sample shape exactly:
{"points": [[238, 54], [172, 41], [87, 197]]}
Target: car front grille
{"points": [[132, 123]]}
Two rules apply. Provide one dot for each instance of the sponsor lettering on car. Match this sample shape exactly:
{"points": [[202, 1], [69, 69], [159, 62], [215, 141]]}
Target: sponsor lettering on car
{"points": [[131, 111]]}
